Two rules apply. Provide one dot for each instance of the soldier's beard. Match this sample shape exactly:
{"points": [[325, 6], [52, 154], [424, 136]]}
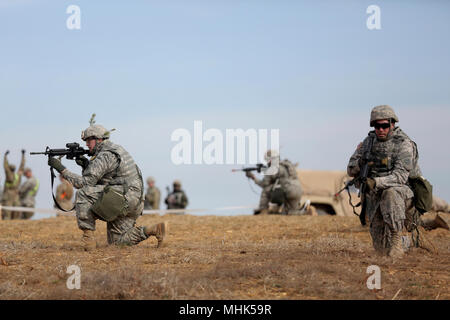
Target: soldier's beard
{"points": [[387, 137]]}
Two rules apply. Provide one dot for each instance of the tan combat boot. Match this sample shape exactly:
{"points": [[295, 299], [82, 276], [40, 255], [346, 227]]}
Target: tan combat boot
{"points": [[396, 250], [88, 240], [440, 222], [437, 222], [157, 230], [423, 242]]}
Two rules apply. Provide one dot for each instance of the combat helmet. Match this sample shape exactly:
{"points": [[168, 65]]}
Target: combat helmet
{"points": [[150, 179], [177, 183], [12, 167], [381, 113], [271, 154], [95, 131]]}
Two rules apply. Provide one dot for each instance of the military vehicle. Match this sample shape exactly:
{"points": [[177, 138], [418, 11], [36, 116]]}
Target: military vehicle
{"points": [[320, 188]]}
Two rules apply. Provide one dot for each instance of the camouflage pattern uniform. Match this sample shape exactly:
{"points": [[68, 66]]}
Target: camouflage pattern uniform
{"points": [[27, 194], [389, 205], [177, 199], [11, 188], [152, 197], [286, 178], [64, 194], [110, 165]]}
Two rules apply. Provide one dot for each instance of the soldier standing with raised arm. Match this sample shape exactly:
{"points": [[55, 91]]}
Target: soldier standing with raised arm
{"points": [[10, 196]]}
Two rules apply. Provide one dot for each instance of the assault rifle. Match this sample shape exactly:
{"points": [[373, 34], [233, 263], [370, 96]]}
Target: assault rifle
{"points": [[258, 168], [361, 180], [72, 152]]}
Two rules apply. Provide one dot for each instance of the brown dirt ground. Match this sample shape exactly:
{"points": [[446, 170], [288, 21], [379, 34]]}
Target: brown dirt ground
{"points": [[212, 257]]}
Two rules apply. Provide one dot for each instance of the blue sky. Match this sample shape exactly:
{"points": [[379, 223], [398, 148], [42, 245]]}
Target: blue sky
{"points": [[311, 69]]}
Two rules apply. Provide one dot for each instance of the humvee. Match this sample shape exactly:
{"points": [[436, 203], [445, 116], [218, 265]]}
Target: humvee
{"points": [[320, 188]]}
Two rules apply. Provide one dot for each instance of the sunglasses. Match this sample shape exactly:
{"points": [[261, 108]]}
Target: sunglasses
{"points": [[382, 125]]}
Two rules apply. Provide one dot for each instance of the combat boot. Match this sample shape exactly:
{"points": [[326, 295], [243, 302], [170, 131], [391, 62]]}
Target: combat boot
{"points": [[261, 211], [437, 222], [423, 242], [396, 250], [440, 222], [157, 230], [88, 240]]}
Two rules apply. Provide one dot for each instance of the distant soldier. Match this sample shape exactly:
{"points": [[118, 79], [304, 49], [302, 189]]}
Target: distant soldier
{"points": [[280, 185], [110, 188], [437, 218], [392, 161], [176, 199], [27, 193], [440, 205], [153, 195], [64, 194], [11, 188]]}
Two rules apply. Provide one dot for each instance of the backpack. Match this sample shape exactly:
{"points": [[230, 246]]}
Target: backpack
{"points": [[423, 193]]}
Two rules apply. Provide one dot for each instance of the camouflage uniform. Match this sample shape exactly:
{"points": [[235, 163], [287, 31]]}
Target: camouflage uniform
{"points": [[110, 165], [286, 178], [152, 197], [64, 194], [11, 188], [389, 205], [27, 194], [177, 199]]}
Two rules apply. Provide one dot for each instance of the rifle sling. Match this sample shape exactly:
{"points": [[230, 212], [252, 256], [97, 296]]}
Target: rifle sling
{"points": [[52, 174]]}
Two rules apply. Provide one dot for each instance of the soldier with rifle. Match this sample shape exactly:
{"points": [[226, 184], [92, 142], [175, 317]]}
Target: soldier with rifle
{"points": [[385, 167], [110, 188], [177, 198], [280, 184]]}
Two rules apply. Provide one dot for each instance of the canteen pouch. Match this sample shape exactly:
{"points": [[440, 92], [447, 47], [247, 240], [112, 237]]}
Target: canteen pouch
{"points": [[110, 205], [423, 193]]}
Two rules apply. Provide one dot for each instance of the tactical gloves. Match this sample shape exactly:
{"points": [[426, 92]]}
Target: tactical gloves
{"points": [[82, 161], [7, 152], [23, 151], [56, 164]]}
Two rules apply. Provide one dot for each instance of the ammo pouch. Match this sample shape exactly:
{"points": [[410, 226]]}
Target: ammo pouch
{"points": [[423, 193], [277, 196], [110, 205]]}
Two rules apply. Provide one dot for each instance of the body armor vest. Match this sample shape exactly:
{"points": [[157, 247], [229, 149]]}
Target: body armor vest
{"points": [[127, 173]]}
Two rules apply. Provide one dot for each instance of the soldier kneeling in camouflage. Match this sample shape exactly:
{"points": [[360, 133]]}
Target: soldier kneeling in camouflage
{"points": [[280, 185], [392, 162], [110, 189]]}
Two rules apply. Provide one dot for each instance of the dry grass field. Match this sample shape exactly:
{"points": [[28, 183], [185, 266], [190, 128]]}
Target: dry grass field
{"points": [[212, 257]]}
